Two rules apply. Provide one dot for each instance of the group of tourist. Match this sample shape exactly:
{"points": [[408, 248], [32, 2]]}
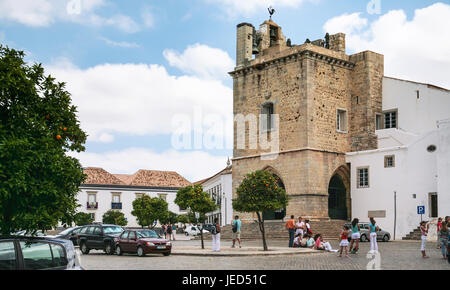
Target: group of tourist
{"points": [[443, 237], [301, 236], [168, 231]]}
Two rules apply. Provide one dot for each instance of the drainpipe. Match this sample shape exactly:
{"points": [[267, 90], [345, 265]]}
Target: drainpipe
{"points": [[395, 212]]}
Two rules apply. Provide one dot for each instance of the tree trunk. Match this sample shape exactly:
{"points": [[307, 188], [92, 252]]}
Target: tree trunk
{"points": [[263, 232], [201, 236]]}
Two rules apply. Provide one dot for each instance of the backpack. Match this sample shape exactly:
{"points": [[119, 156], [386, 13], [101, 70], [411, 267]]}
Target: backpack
{"points": [[234, 227]]}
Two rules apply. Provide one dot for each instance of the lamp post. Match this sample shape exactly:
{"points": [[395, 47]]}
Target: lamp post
{"points": [[395, 212]]}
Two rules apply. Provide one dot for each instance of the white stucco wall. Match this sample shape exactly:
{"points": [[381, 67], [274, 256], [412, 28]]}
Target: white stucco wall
{"points": [[415, 173], [128, 195], [226, 209], [416, 116], [443, 168]]}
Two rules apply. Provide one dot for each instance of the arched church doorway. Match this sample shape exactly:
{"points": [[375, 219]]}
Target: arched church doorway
{"points": [[337, 198], [278, 214]]}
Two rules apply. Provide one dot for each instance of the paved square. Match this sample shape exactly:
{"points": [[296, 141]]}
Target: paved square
{"points": [[402, 255]]}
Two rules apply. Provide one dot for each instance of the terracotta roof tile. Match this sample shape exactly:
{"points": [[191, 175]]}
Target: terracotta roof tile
{"points": [[100, 176], [141, 178]]}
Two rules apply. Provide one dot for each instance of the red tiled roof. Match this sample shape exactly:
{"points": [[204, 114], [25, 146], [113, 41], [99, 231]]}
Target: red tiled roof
{"points": [[152, 178], [100, 176]]}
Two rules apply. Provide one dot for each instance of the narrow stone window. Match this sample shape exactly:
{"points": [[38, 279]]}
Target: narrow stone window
{"points": [[341, 121], [266, 117], [363, 177], [389, 161]]}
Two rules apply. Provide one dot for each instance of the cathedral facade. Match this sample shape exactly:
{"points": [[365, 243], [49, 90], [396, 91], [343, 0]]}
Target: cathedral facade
{"points": [[326, 104]]}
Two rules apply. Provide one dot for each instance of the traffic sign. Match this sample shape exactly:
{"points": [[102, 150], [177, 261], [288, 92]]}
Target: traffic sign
{"points": [[421, 209]]}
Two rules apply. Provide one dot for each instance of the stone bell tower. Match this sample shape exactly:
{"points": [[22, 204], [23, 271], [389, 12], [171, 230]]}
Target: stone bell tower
{"points": [[327, 103]]}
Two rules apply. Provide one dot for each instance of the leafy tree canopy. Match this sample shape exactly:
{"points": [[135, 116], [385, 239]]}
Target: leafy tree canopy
{"points": [[114, 217], [82, 219], [147, 210], [38, 126], [260, 192]]}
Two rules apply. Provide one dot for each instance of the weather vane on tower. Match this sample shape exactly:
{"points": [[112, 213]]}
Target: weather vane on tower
{"points": [[271, 11]]}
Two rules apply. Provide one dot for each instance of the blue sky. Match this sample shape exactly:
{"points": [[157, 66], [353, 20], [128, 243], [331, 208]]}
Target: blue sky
{"points": [[178, 53]]}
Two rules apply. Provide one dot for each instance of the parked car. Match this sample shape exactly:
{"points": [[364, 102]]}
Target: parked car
{"points": [[37, 253], [208, 227], [193, 231], [142, 242], [70, 234], [99, 237], [364, 227], [36, 234]]}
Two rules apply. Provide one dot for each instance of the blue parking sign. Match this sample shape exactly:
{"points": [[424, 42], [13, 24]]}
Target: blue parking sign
{"points": [[421, 209]]}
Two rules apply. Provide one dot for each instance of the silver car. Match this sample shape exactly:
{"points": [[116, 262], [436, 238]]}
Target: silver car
{"points": [[365, 229]]}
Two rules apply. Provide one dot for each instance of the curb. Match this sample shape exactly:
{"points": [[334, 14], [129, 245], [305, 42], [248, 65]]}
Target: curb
{"points": [[209, 253]]}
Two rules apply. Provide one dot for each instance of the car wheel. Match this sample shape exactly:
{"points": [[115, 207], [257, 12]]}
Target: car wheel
{"points": [[187, 234], [108, 249], [118, 251], [167, 254], [140, 252], [364, 238], [84, 248], [385, 238]]}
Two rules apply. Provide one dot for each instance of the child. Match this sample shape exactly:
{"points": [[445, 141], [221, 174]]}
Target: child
{"points": [[344, 241]]}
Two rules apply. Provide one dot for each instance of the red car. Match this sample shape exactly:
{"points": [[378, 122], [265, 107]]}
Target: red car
{"points": [[142, 242]]}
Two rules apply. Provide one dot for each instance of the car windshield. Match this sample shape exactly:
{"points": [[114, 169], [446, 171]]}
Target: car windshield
{"points": [[112, 230], [147, 234]]}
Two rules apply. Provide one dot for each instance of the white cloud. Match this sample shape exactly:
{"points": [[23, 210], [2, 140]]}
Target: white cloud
{"points": [[250, 7], [120, 43], [202, 61], [416, 49], [138, 99], [148, 17], [193, 166], [347, 23], [42, 13]]}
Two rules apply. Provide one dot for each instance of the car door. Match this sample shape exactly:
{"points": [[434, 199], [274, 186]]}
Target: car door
{"points": [[132, 242], [89, 237], [98, 237], [8, 255], [36, 255], [73, 235], [123, 241]]}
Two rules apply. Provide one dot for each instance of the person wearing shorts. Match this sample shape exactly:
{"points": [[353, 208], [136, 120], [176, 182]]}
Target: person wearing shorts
{"points": [[355, 236], [344, 241], [236, 235]]}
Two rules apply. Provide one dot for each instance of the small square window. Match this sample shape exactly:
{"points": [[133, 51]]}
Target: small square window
{"points": [[389, 161], [390, 120]]}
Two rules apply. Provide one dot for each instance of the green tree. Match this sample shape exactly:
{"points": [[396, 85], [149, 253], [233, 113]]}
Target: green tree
{"points": [[170, 217], [184, 219], [197, 201], [147, 210], [259, 192], [82, 219], [38, 127], [114, 217]]}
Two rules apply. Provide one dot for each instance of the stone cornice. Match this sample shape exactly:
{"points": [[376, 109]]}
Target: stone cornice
{"points": [[288, 151], [307, 53]]}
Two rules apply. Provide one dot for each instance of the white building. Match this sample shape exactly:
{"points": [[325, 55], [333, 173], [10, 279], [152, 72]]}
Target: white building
{"points": [[103, 191], [220, 190], [411, 166]]}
